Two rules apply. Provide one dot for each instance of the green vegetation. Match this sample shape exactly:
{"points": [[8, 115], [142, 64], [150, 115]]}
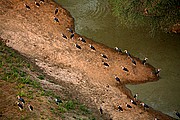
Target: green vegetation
{"points": [[69, 105], [84, 109], [41, 77], [15, 70], [73, 105], [160, 14]]}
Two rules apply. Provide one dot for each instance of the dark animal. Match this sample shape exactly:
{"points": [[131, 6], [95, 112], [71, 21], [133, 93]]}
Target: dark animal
{"points": [[56, 11], [157, 72], [30, 107], [104, 56], [27, 7], [144, 61], [117, 79], [120, 108], [101, 110], [21, 99], [70, 30], [92, 47], [37, 4], [118, 49], [105, 64], [133, 102], [133, 61], [72, 35], [77, 46], [125, 69], [82, 39], [58, 101], [144, 105], [128, 54], [63, 36], [20, 105], [127, 105], [56, 19], [135, 96], [177, 114]]}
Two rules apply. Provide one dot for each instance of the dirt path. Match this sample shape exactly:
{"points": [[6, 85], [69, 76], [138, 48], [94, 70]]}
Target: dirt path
{"points": [[35, 34]]}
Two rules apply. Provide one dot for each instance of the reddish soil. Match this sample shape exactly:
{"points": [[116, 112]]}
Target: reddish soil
{"points": [[35, 34], [9, 109]]}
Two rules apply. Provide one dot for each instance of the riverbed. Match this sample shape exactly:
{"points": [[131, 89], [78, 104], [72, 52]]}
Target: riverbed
{"points": [[94, 19]]}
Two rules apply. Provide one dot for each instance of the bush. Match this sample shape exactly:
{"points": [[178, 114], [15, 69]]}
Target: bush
{"points": [[69, 105], [160, 14]]}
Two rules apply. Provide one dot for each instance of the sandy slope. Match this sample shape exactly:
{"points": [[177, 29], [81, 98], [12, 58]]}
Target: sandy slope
{"points": [[35, 34]]}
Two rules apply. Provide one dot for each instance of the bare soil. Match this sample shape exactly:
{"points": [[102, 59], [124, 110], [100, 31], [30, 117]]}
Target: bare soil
{"points": [[35, 34]]}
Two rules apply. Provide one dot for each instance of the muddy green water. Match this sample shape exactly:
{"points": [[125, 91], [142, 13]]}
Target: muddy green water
{"points": [[94, 19]]}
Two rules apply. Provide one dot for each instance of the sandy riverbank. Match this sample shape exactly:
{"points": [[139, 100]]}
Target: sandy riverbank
{"points": [[35, 34]]}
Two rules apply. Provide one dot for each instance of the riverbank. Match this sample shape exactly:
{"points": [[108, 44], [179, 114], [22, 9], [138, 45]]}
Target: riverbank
{"points": [[35, 34], [19, 76]]}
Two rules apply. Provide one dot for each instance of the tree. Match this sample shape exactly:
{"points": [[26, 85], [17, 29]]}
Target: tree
{"points": [[161, 14]]}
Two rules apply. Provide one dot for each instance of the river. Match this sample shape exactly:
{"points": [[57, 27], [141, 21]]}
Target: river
{"points": [[94, 19]]}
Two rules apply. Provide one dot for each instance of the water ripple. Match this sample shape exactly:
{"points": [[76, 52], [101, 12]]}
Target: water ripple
{"points": [[92, 9]]}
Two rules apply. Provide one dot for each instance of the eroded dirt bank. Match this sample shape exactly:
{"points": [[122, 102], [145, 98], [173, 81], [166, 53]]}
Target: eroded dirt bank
{"points": [[35, 34]]}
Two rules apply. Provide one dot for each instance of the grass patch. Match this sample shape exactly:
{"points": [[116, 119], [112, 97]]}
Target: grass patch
{"points": [[61, 109], [20, 86], [25, 80], [22, 94], [30, 94], [84, 109], [70, 105], [22, 74], [24, 117], [13, 69], [47, 93], [35, 84], [41, 77]]}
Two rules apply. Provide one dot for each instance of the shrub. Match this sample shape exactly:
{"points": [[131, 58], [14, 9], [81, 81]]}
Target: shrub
{"points": [[69, 105]]}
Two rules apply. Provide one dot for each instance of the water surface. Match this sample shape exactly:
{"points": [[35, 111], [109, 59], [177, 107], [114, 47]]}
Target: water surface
{"points": [[94, 19]]}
